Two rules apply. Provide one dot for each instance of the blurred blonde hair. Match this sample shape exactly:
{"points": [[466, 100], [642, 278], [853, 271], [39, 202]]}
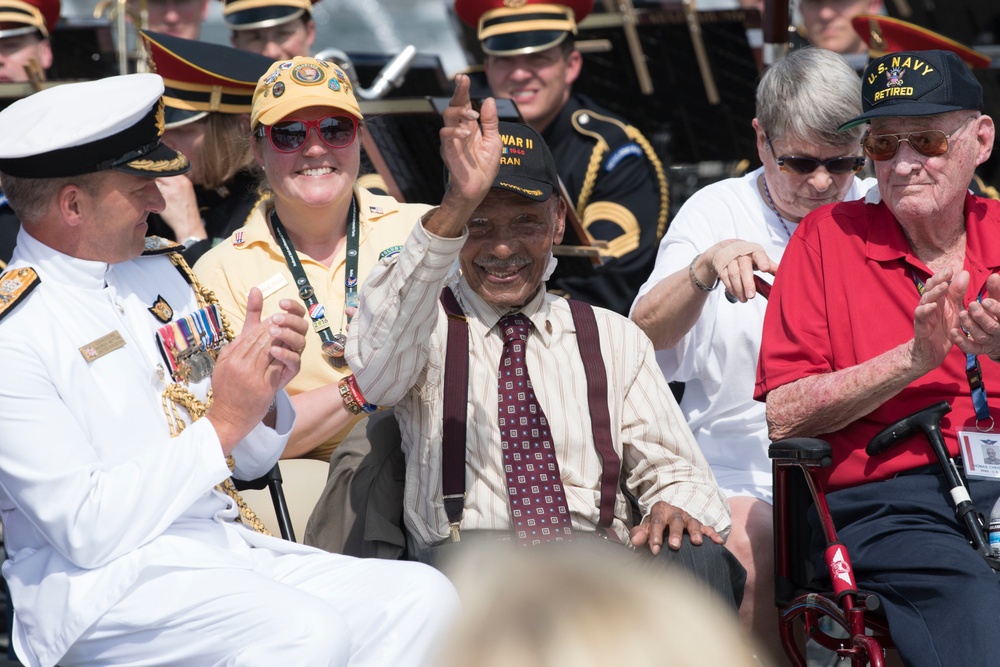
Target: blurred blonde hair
{"points": [[586, 607], [226, 149]]}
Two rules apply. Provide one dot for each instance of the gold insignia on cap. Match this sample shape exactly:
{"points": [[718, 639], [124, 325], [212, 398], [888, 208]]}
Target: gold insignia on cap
{"points": [[178, 162], [160, 124], [515, 4]]}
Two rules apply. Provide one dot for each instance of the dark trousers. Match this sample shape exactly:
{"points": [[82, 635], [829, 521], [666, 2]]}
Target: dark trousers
{"points": [[710, 563], [940, 597]]}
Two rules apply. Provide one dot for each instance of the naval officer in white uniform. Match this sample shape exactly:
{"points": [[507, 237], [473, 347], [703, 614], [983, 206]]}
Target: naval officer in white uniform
{"points": [[123, 412]]}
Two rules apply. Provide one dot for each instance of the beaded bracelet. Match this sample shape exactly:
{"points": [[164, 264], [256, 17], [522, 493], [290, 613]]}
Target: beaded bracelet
{"points": [[702, 286], [365, 406], [345, 393]]}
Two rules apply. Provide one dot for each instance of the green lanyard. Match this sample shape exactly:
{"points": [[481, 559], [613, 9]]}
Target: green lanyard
{"points": [[333, 344]]}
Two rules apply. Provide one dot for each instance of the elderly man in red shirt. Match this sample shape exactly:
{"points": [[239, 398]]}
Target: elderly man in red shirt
{"points": [[884, 306]]}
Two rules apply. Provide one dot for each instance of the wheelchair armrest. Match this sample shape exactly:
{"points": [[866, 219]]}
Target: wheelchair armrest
{"points": [[810, 451], [262, 482]]}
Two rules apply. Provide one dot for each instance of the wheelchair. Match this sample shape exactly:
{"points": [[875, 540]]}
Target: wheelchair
{"points": [[801, 593]]}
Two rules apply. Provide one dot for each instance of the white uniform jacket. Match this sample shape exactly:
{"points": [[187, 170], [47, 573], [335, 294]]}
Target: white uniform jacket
{"points": [[93, 490]]}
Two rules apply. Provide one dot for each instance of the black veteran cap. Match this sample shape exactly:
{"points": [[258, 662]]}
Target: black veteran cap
{"points": [[511, 27], [917, 83], [21, 17], [885, 34], [81, 128], [200, 77], [257, 14], [526, 164]]}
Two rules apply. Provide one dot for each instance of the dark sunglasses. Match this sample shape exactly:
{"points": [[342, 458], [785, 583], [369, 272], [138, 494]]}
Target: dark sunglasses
{"points": [[929, 143], [289, 136], [807, 165]]}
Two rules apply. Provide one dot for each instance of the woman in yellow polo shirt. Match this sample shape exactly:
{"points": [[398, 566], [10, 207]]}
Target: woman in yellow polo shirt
{"points": [[315, 238]]}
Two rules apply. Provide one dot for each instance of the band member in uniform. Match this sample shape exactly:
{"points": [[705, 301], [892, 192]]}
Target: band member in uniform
{"points": [[277, 29], [127, 401], [209, 89], [25, 26], [177, 18], [827, 23], [612, 175]]}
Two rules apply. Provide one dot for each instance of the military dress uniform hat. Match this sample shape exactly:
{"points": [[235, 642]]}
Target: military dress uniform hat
{"points": [[292, 85], [81, 128], [916, 83], [513, 27], [527, 167], [885, 34], [202, 78], [22, 17], [257, 14]]}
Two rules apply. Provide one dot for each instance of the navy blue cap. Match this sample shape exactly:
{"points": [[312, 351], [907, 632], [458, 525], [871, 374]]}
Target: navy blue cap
{"points": [[917, 83]]}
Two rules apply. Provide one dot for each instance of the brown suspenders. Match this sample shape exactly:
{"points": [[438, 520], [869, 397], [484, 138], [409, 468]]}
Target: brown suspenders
{"points": [[456, 401]]}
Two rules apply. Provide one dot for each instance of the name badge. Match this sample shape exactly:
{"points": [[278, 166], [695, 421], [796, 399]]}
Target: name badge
{"points": [[980, 454], [103, 345], [272, 285]]}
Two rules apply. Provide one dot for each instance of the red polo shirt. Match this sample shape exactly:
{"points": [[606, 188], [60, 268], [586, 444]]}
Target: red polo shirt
{"points": [[845, 293]]}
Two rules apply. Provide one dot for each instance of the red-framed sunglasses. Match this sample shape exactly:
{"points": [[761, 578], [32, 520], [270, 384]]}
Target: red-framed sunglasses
{"points": [[290, 135]]}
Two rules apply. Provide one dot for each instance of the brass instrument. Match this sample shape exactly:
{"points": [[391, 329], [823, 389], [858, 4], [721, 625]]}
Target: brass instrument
{"points": [[118, 13]]}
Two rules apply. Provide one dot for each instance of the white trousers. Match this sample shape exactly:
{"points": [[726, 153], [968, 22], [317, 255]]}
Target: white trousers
{"points": [[285, 609]]}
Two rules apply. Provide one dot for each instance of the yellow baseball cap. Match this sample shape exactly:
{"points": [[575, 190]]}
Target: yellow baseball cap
{"points": [[291, 85]]}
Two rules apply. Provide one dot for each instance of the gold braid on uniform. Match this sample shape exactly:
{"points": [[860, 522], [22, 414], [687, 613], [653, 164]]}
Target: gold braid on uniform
{"points": [[178, 396], [593, 168]]}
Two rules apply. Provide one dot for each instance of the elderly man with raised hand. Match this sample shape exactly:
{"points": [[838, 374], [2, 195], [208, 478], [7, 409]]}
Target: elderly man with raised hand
{"points": [[126, 403], [613, 176], [520, 461], [885, 306]]}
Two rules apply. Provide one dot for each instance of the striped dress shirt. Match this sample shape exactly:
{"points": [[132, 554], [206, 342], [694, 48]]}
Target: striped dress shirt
{"points": [[397, 346]]}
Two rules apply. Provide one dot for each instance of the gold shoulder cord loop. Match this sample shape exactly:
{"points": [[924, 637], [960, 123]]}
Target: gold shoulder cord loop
{"points": [[590, 179], [661, 178], [177, 396], [594, 165]]}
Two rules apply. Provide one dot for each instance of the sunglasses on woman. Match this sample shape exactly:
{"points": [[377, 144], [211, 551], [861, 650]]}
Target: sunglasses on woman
{"points": [[288, 136], [800, 166], [929, 143]]}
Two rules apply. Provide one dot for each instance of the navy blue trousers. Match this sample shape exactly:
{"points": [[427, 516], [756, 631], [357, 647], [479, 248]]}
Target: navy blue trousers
{"points": [[940, 597]]}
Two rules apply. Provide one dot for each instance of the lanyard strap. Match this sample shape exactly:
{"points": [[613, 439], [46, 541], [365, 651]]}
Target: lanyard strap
{"points": [[308, 295], [973, 372]]}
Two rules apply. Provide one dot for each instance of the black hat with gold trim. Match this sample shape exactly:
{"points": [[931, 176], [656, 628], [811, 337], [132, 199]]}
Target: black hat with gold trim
{"points": [[82, 128], [513, 27], [257, 14], [885, 34], [202, 78], [22, 17], [917, 83]]}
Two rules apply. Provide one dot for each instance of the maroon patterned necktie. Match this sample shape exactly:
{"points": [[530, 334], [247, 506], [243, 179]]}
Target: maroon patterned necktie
{"points": [[534, 487]]}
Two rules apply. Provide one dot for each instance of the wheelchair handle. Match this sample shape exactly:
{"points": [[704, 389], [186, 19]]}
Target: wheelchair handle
{"points": [[927, 421]]}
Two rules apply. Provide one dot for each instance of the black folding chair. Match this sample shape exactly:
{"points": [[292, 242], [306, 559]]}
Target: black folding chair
{"points": [[272, 480]]}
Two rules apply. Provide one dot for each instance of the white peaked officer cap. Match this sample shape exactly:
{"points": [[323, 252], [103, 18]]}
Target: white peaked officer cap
{"points": [[81, 128]]}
